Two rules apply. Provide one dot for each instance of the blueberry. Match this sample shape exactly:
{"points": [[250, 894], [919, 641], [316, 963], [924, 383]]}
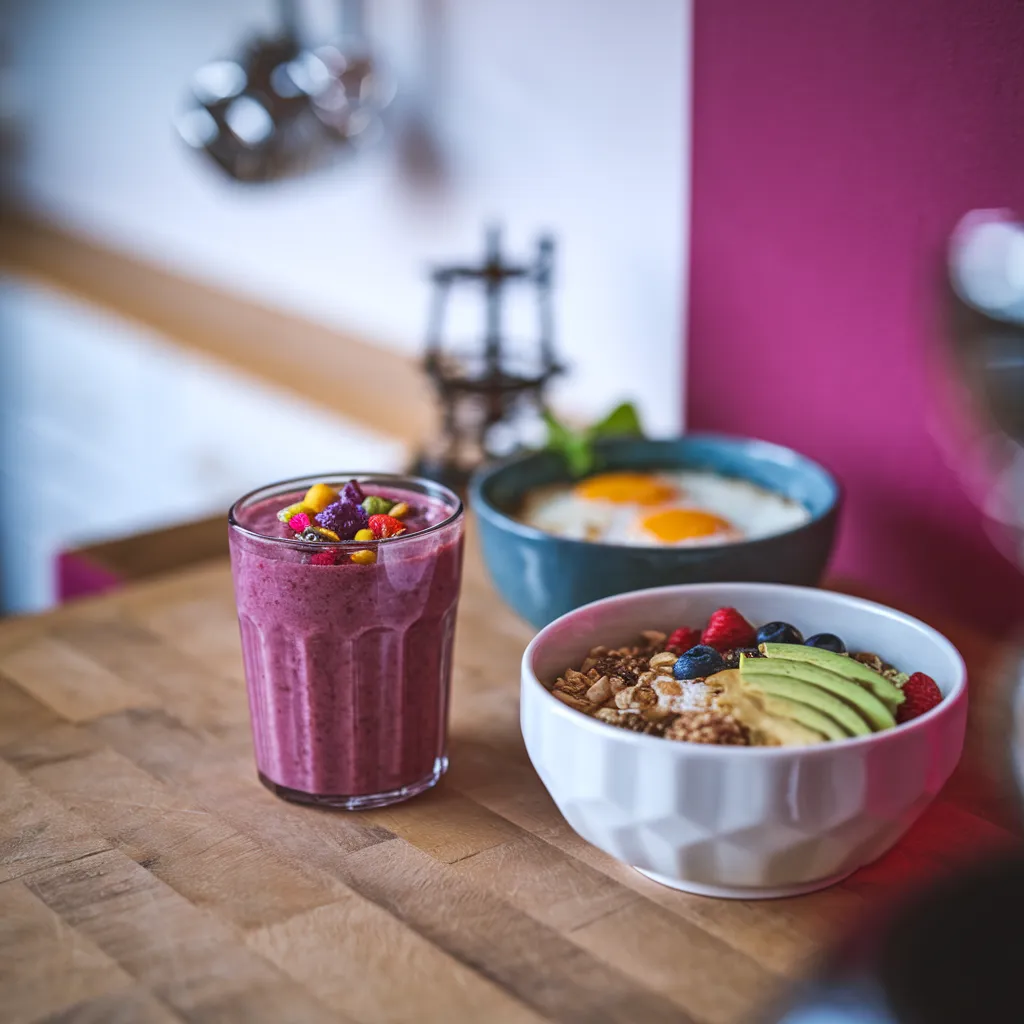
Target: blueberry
{"points": [[698, 663], [779, 633], [827, 642]]}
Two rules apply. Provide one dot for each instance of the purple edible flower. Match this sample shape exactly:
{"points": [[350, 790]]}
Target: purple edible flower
{"points": [[343, 518], [352, 493]]}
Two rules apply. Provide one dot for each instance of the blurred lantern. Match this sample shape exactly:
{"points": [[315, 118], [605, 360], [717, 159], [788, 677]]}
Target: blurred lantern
{"points": [[282, 108], [492, 396]]}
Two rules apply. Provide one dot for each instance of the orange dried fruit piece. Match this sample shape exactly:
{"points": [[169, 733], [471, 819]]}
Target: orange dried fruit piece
{"points": [[319, 496], [324, 534]]}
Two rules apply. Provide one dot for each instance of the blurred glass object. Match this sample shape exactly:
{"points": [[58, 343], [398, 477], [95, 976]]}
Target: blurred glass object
{"points": [[987, 264], [951, 955], [954, 952], [985, 317], [283, 108]]}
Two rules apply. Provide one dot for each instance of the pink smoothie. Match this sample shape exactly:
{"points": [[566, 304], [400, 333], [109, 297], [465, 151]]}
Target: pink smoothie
{"points": [[348, 665]]}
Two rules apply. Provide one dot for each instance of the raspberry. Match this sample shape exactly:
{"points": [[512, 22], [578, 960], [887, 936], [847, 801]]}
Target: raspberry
{"points": [[920, 694], [322, 558], [386, 526], [727, 629], [682, 640]]}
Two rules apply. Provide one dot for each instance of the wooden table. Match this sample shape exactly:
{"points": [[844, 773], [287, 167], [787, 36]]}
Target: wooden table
{"points": [[148, 877]]}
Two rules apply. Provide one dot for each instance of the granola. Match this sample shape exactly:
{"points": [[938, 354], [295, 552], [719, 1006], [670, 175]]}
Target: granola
{"points": [[720, 692], [633, 688], [708, 727]]}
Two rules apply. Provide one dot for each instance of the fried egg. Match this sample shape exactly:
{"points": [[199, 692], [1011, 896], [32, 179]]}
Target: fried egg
{"points": [[667, 509]]}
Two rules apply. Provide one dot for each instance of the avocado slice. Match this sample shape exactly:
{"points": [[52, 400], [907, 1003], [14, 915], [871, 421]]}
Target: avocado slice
{"points": [[877, 715], [797, 690], [842, 665], [787, 725], [804, 714], [785, 732]]}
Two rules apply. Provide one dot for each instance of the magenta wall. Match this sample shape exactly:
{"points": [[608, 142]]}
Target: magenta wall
{"points": [[835, 145]]}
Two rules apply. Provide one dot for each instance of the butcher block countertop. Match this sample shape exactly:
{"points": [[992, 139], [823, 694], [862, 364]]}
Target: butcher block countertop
{"points": [[146, 876]]}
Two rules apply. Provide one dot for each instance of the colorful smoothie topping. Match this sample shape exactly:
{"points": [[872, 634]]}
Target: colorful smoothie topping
{"points": [[730, 683], [353, 493], [325, 515], [376, 506], [344, 518], [384, 526]]}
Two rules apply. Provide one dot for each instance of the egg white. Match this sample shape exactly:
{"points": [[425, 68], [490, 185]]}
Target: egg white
{"points": [[751, 510]]}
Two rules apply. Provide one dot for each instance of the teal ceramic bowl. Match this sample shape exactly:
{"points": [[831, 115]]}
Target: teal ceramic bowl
{"points": [[542, 576]]}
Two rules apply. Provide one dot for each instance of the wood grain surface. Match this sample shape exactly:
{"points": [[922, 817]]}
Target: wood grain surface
{"points": [[146, 876]]}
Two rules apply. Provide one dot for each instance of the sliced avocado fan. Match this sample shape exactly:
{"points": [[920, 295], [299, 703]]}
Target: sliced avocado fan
{"points": [[786, 724], [845, 717], [842, 665], [804, 714], [861, 700]]}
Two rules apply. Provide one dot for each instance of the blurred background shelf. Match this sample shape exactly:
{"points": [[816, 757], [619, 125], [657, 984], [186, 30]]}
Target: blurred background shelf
{"points": [[172, 337], [109, 428], [340, 372], [96, 568]]}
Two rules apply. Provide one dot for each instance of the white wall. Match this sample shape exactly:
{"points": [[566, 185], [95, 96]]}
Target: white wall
{"points": [[569, 115]]}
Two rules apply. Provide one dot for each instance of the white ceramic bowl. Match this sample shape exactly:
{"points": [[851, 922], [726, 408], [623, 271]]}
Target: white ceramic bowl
{"points": [[741, 822]]}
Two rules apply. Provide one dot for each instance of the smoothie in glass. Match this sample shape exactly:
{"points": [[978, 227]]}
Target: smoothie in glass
{"points": [[347, 644]]}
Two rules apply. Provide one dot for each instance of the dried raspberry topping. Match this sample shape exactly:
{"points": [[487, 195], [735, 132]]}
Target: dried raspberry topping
{"points": [[920, 694], [384, 526], [299, 522], [322, 558], [727, 629]]}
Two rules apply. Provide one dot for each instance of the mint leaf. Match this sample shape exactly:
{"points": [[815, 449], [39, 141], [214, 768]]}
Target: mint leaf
{"points": [[622, 421], [579, 456], [570, 444], [558, 432], [577, 447]]}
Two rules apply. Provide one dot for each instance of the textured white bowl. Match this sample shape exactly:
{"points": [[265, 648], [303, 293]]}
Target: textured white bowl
{"points": [[741, 822]]}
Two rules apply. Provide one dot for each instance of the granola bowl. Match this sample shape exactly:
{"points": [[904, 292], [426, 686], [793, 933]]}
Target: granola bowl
{"points": [[743, 822]]}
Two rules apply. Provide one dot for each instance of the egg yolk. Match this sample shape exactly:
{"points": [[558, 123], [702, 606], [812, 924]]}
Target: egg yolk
{"points": [[676, 524], [626, 489]]}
